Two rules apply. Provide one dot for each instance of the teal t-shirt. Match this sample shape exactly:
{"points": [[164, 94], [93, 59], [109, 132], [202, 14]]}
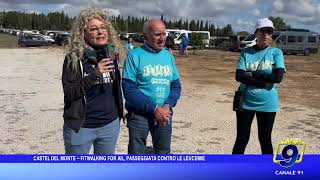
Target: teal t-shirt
{"points": [[152, 72], [255, 98], [130, 46]]}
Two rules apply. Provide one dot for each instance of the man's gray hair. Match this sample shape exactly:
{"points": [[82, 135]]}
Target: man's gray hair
{"points": [[146, 27]]}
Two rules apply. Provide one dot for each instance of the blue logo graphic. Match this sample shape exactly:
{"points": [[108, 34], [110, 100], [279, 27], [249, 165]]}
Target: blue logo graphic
{"points": [[290, 153]]}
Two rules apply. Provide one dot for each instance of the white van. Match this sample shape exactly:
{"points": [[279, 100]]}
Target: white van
{"points": [[174, 32], [296, 41], [249, 41], [206, 37]]}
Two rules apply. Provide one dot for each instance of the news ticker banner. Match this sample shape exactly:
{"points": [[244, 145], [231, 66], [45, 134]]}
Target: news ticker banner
{"points": [[288, 162], [147, 158], [178, 166]]}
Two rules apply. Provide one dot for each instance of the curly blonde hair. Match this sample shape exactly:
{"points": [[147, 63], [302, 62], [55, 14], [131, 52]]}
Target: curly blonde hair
{"points": [[77, 44]]}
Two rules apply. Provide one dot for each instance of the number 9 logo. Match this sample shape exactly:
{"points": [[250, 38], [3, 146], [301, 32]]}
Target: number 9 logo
{"points": [[289, 160]]}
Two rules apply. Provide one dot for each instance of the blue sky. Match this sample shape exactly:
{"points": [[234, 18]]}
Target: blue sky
{"points": [[242, 14]]}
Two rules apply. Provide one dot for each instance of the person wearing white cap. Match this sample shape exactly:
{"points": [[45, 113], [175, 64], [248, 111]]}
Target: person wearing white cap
{"points": [[259, 70]]}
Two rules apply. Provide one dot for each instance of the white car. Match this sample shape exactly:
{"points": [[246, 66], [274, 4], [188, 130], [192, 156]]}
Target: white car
{"points": [[249, 41], [47, 38]]}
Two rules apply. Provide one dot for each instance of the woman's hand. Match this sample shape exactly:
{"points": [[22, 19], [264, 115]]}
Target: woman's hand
{"points": [[248, 74], [105, 65]]}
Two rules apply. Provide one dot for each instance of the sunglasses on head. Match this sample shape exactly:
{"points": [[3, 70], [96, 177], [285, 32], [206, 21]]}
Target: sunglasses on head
{"points": [[266, 30]]}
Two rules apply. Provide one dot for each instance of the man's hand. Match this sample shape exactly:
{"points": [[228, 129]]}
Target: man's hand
{"points": [[167, 111], [162, 115]]}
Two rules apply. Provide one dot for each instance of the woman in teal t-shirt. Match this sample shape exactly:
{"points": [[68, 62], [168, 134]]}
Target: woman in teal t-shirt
{"points": [[259, 70]]}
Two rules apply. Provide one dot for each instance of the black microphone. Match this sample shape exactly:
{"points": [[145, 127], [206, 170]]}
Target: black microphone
{"points": [[101, 54]]}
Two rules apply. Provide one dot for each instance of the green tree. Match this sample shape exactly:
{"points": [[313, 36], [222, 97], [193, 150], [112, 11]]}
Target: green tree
{"points": [[123, 24], [196, 40], [278, 22], [227, 31], [179, 24], [2, 14], [218, 31], [201, 26], [198, 25], [185, 25], [193, 26], [243, 33], [212, 30], [206, 27], [169, 26]]}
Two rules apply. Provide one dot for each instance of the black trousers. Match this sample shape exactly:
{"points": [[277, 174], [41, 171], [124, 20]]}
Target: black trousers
{"points": [[265, 124]]}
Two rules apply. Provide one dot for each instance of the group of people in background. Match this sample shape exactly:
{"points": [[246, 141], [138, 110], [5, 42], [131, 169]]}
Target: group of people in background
{"points": [[169, 44], [183, 47], [95, 88]]}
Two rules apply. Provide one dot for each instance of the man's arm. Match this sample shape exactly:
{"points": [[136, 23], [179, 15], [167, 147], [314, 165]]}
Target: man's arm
{"points": [[135, 98], [175, 92]]}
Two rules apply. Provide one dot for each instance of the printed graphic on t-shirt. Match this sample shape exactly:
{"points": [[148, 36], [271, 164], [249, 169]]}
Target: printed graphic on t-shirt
{"points": [[262, 65], [152, 72], [160, 76]]}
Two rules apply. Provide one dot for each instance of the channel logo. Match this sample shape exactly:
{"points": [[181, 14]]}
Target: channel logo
{"points": [[290, 153]]}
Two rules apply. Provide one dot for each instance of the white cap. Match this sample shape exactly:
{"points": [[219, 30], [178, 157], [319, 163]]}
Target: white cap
{"points": [[264, 22]]}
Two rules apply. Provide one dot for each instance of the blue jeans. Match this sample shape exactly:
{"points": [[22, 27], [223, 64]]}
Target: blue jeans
{"points": [[139, 128], [104, 139]]}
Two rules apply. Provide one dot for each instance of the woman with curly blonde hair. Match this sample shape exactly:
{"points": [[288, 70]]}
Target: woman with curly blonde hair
{"points": [[91, 78]]}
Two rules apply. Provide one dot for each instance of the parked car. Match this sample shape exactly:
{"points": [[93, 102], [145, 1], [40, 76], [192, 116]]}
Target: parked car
{"points": [[125, 36], [33, 40], [48, 38], [52, 34], [62, 39], [249, 41], [137, 37], [140, 38]]}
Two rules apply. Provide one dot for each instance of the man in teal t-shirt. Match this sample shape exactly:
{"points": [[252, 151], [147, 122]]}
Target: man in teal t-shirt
{"points": [[151, 87]]}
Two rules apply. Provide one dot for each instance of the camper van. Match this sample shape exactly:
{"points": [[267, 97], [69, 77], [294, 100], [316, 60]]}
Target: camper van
{"points": [[206, 36], [249, 41], [297, 41]]}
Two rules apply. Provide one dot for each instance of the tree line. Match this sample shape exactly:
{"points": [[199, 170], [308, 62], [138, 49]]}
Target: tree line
{"points": [[61, 21], [34, 21]]}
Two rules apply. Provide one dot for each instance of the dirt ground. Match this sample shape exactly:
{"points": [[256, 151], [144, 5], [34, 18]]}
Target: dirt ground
{"points": [[31, 103], [300, 85]]}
